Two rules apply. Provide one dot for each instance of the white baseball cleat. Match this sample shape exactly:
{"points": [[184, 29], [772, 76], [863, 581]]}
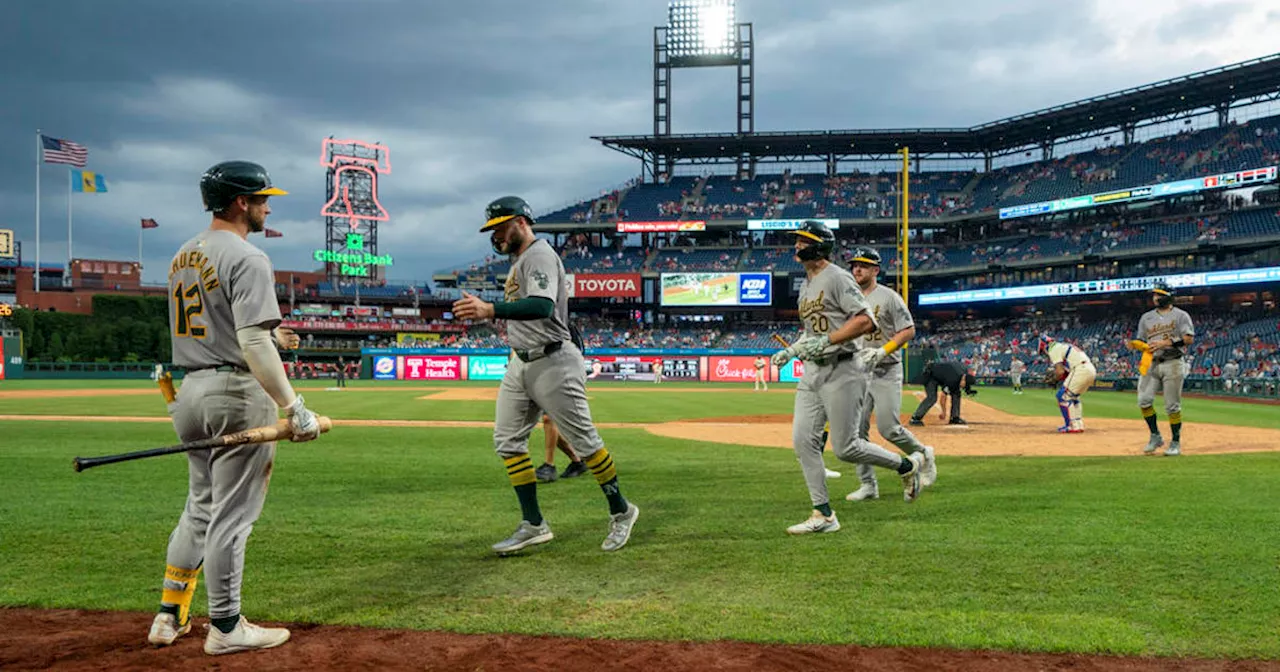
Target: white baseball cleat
{"points": [[620, 525], [1174, 449], [832, 473], [867, 491], [526, 535], [817, 523], [245, 637], [929, 470], [1152, 444], [165, 630]]}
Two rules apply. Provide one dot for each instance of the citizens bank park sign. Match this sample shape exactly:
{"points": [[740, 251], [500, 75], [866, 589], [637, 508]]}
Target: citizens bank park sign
{"points": [[597, 285]]}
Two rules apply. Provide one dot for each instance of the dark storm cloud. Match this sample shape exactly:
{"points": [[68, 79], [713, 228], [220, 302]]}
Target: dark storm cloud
{"points": [[485, 98]]}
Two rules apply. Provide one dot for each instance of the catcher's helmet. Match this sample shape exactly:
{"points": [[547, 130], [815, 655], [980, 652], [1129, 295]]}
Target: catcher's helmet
{"points": [[1163, 292], [502, 209], [823, 240], [221, 184], [865, 255]]}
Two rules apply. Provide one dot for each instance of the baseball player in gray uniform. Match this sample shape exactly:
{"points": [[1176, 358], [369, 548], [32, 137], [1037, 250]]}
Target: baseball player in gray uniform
{"points": [[833, 314], [879, 353], [547, 375], [1016, 368], [223, 319], [1163, 333]]}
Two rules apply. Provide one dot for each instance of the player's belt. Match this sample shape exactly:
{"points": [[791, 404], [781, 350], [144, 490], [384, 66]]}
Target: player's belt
{"points": [[831, 360], [539, 352], [225, 368]]}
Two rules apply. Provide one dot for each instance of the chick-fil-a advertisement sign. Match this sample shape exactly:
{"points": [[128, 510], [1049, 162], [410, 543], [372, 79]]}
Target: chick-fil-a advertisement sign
{"points": [[730, 369], [431, 368]]}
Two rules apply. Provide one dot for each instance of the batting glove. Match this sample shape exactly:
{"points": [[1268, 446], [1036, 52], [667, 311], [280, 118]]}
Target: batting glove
{"points": [[871, 356], [809, 348], [781, 357], [302, 422]]}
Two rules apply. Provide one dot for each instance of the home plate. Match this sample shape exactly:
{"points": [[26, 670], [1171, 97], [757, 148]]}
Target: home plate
{"points": [[958, 428]]}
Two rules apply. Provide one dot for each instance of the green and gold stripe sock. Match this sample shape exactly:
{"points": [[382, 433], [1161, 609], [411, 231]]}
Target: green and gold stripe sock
{"points": [[1175, 425], [1149, 414], [601, 465], [520, 471]]}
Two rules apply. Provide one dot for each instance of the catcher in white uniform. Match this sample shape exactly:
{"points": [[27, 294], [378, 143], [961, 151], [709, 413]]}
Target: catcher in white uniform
{"points": [[1076, 372]]}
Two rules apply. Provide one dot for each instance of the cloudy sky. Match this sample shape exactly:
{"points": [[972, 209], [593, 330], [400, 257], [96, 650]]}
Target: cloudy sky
{"points": [[489, 97]]}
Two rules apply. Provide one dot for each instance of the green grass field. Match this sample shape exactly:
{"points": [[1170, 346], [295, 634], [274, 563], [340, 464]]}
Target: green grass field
{"points": [[392, 527]]}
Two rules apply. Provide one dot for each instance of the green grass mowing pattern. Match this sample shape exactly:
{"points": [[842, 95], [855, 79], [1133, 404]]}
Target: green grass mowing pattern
{"points": [[629, 404], [1124, 406], [392, 527]]}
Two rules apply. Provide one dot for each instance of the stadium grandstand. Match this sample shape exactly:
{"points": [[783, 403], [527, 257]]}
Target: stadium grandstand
{"points": [[1085, 202]]}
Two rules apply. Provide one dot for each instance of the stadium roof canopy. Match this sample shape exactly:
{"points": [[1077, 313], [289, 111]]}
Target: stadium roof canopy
{"points": [[1217, 89]]}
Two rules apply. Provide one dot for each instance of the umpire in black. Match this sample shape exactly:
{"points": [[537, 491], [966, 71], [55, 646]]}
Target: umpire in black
{"points": [[950, 375]]}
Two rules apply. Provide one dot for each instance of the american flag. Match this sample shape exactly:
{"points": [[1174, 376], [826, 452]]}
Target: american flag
{"points": [[272, 233], [63, 151], [149, 224]]}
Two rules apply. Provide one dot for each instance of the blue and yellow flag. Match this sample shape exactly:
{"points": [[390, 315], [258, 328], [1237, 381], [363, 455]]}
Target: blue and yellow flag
{"points": [[89, 182]]}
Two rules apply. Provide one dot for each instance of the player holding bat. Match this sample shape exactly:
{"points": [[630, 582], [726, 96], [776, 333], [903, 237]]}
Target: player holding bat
{"points": [[834, 314], [223, 319]]}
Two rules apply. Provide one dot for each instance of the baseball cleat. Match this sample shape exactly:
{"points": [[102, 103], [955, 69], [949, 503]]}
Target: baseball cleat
{"points": [[620, 525], [574, 469], [832, 473], [545, 473], [164, 629], [1068, 430], [929, 470], [245, 637], [526, 535], [1174, 449], [957, 421], [914, 422], [1152, 444], [862, 494], [817, 523], [911, 479]]}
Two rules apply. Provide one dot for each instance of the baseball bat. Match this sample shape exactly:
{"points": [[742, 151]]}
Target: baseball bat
{"points": [[277, 432], [781, 341]]}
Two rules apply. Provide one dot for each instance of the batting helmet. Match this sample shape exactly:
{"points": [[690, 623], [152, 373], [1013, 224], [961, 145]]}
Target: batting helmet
{"points": [[221, 184], [865, 255], [1163, 292], [824, 240], [502, 209]]}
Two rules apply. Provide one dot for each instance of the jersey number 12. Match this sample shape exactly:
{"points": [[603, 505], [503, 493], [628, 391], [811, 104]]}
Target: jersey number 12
{"points": [[188, 305]]}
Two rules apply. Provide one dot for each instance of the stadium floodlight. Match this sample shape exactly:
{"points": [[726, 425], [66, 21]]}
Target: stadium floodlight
{"points": [[702, 31]]}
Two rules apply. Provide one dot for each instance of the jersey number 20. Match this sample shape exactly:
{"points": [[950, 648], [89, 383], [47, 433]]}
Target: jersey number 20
{"points": [[188, 305]]}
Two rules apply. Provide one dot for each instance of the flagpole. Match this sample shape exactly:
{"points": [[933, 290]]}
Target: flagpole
{"points": [[69, 190], [139, 253], [38, 149]]}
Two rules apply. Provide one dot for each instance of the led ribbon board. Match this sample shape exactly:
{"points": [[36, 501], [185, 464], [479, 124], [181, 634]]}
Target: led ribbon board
{"points": [[1236, 180], [1079, 288]]}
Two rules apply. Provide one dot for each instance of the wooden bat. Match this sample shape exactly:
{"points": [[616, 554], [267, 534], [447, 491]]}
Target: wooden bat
{"points": [[781, 341], [277, 432]]}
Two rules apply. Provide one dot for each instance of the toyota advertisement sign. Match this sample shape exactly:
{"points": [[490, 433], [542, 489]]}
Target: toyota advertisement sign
{"points": [[601, 285]]}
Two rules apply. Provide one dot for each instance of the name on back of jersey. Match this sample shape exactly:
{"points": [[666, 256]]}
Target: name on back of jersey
{"points": [[195, 259]]}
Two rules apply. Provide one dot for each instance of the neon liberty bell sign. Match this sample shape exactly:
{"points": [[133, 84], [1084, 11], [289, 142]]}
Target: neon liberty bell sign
{"points": [[355, 199]]}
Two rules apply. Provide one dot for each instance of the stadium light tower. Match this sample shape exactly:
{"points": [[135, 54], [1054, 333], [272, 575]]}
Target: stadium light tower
{"points": [[702, 33]]}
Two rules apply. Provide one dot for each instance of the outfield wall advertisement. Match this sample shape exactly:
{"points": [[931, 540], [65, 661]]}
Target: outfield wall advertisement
{"points": [[717, 289]]}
